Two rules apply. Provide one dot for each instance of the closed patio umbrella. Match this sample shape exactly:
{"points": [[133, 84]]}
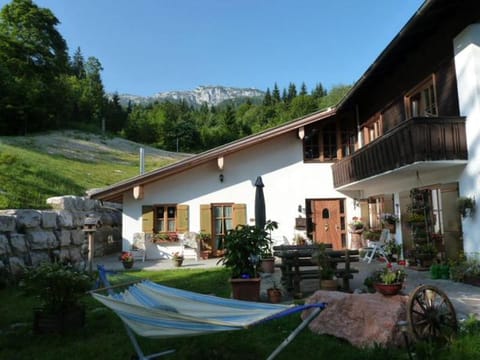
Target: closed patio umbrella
{"points": [[260, 216]]}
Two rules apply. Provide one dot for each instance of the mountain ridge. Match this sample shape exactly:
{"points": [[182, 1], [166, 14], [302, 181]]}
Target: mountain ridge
{"points": [[212, 95]]}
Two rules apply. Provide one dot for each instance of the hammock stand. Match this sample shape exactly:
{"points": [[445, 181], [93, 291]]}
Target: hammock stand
{"points": [[156, 311]]}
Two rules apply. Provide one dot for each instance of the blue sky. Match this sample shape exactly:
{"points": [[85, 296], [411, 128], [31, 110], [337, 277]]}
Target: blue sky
{"points": [[150, 46]]}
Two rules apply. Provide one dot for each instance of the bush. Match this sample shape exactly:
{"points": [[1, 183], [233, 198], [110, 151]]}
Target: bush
{"points": [[58, 285]]}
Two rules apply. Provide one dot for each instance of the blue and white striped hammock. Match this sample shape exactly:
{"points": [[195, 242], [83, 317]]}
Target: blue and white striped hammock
{"points": [[157, 311]]}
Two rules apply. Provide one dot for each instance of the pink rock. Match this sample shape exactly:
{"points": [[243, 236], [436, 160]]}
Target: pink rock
{"points": [[362, 319]]}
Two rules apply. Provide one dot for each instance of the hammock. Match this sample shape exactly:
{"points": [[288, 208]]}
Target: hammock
{"points": [[157, 311]]}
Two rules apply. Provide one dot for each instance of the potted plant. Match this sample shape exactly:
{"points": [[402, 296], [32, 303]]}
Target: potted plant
{"points": [[357, 225], [274, 294], [389, 281], [372, 235], [243, 248], [425, 253], [392, 249], [177, 258], [127, 259], [388, 218], [205, 245], [466, 206], [59, 287], [326, 269], [415, 218]]}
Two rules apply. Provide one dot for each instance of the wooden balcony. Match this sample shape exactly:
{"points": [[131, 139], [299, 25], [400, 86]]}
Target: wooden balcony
{"points": [[414, 140]]}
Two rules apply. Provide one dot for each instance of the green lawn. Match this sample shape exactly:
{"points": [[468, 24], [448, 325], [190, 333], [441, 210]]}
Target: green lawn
{"points": [[31, 173], [104, 336]]}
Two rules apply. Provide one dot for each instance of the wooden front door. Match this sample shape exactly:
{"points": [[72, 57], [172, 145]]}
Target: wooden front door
{"points": [[327, 221]]}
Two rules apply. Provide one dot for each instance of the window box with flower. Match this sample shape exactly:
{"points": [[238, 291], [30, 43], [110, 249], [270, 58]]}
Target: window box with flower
{"points": [[165, 238]]}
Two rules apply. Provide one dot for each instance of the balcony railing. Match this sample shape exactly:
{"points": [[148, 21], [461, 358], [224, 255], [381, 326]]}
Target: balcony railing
{"points": [[414, 140]]}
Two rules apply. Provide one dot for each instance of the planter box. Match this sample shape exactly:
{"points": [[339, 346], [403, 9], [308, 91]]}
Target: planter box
{"points": [[472, 280], [246, 289], [58, 323]]}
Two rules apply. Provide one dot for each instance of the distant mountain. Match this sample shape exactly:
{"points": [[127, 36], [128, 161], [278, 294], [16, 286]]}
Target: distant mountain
{"points": [[212, 95]]}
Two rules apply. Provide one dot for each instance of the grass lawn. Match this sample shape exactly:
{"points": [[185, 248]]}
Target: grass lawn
{"points": [[104, 335]]}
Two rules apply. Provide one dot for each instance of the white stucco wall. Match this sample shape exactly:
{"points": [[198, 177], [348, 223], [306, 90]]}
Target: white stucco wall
{"points": [[288, 182], [467, 65]]}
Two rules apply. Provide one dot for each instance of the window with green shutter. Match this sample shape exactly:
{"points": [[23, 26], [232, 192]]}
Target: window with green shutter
{"points": [[217, 219], [165, 218]]}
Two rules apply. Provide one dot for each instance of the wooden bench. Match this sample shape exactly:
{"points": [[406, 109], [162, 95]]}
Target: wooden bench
{"points": [[299, 263]]}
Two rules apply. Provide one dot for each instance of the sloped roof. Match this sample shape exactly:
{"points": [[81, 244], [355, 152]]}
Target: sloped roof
{"points": [[114, 192]]}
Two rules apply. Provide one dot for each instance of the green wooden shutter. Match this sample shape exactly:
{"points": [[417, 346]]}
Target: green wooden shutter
{"points": [[147, 219], [206, 219], [182, 218], [239, 215]]}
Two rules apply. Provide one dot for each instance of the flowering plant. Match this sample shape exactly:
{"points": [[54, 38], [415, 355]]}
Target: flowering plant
{"points": [[389, 218], [126, 256], [390, 276], [356, 223], [164, 237]]}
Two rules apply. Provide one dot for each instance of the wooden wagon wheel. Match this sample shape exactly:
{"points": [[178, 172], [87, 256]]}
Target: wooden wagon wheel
{"points": [[430, 314]]}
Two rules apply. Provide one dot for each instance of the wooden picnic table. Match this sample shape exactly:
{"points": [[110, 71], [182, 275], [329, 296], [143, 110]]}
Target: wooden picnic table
{"points": [[299, 263]]}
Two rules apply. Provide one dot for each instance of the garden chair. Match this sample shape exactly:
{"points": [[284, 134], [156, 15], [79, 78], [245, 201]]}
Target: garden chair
{"points": [[377, 247]]}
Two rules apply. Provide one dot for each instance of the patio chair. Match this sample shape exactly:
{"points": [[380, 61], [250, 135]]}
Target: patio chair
{"points": [[377, 247], [138, 249]]}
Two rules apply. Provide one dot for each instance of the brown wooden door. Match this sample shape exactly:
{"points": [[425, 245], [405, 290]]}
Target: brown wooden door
{"points": [[326, 220]]}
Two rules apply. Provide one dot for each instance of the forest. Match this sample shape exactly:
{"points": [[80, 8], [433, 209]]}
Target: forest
{"points": [[43, 87]]}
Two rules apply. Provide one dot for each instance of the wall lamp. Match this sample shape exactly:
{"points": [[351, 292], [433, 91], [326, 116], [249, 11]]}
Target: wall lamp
{"points": [[220, 177]]}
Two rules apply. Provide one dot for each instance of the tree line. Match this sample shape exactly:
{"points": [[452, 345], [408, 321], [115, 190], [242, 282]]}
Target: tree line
{"points": [[42, 87]]}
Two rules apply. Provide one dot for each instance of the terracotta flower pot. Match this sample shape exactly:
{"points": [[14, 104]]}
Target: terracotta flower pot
{"points": [[268, 265], [274, 295], [127, 264], [388, 289]]}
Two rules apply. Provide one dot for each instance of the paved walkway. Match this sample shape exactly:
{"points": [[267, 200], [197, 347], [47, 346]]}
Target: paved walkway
{"points": [[465, 298]]}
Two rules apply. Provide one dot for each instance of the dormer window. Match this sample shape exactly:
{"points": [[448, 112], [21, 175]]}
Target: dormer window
{"points": [[422, 101]]}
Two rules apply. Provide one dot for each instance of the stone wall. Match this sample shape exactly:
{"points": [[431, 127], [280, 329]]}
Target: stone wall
{"points": [[28, 237]]}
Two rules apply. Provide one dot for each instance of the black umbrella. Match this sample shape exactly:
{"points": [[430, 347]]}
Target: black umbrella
{"points": [[260, 216]]}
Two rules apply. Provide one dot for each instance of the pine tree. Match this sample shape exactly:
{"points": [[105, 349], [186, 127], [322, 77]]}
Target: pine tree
{"points": [[319, 91], [276, 94], [78, 64], [292, 92], [267, 100], [303, 89]]}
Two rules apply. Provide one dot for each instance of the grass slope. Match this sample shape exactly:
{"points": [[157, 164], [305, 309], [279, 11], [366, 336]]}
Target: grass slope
{"points": [[34, 168]]}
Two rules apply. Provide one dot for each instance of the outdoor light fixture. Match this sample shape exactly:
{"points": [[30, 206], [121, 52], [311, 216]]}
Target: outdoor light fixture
{"points": [[220, 177]]}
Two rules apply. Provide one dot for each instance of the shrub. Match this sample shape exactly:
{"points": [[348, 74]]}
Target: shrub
{"points": [[58, 285]]}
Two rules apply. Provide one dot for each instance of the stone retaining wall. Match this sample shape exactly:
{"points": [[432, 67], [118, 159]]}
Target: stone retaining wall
{"points": [[28, 237]]}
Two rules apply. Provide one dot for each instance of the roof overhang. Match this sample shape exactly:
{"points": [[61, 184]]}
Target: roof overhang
{"points": [[115, 192]]}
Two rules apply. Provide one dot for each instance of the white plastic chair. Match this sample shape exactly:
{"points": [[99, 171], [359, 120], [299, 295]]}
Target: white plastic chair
{"points": [[377, 247], [138, 247]]}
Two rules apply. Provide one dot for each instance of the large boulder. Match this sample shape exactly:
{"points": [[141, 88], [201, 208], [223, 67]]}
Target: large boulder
{"points": [[364, 320]]}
